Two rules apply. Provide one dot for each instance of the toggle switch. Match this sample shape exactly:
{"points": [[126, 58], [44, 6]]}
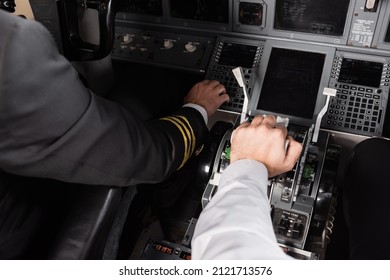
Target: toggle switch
{"points": [[370, 4]]}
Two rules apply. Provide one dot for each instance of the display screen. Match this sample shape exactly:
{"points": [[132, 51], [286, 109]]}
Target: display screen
{"points": [[185, 256], [387, 38], [202, 10], [325, 17], [250, 13], [144, 7], [237, 55], [359, 72], [163, 249], [291, 82]]}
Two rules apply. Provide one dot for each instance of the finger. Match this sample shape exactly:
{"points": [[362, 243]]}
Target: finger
{"points": [[283, 130], [224, 97], [205, 82], [269, 120], [293, 152], [214, 83], [220, 89], [244, 124], [257, 120]]}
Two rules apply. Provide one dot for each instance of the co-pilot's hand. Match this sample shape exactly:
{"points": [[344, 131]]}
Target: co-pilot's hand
{"points": [[263, 141], [208, 94]]}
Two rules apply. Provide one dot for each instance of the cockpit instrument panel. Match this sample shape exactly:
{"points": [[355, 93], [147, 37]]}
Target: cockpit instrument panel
{"points": [[286, 49]]}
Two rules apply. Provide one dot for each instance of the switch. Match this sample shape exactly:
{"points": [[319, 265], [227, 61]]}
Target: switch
{"points": [[283, 226], [370, 4], [297, 231]]}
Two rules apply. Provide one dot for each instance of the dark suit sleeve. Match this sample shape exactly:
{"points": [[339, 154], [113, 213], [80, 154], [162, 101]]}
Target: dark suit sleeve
{"points": [[51, 126]]}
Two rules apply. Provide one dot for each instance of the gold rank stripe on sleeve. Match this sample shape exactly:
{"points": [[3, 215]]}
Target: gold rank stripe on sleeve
{"points": [[188, 135], [193, 138]]}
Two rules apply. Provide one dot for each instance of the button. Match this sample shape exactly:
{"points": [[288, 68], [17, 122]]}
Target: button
{"points": [[297, 231], [283, 226]]}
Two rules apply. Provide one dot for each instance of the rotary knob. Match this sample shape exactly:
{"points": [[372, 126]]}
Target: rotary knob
{"points": [[191, 47]]}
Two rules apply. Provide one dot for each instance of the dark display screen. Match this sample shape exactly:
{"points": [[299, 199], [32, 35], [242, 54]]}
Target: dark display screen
{"points": [[359, 72], [185, 256], [202, 10], [387, 38], [163, 249], [291, 83], [144, 7], [250, 13], [325, 17], [238, 55]]}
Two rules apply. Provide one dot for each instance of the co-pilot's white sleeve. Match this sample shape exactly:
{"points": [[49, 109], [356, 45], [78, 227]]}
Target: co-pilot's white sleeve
{"points": [[236, 224]]}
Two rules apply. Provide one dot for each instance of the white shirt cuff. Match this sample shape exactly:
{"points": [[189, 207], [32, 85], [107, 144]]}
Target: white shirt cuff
{"points": [[200, 110]]}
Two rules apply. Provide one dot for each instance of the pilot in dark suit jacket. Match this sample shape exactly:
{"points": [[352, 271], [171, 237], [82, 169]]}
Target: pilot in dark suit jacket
{"points": [[52, 126]]}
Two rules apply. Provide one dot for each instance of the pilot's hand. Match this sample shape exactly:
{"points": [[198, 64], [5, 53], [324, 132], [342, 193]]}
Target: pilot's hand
{"points": [[263, 141], [208, 94]]}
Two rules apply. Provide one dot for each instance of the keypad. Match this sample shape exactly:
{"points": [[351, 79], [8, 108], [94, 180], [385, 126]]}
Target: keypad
{"points": [[225, 76], [354, 108]]}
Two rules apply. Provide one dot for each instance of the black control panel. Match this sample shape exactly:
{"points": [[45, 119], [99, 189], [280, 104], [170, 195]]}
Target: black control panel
{"points": [[362, 84], [181, 51]]}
